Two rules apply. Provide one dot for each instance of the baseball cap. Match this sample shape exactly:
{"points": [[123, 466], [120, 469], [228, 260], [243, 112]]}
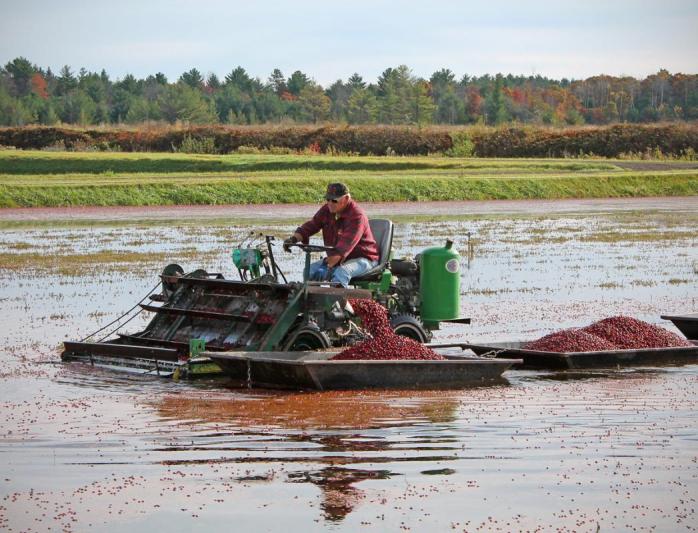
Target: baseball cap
{"points": [[336, 190]]}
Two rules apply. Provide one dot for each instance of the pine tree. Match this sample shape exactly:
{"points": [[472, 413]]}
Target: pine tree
{"points": [[356, 82], [297, 82], [277, 81], [192, 78], [21, 72], [65, 82]]}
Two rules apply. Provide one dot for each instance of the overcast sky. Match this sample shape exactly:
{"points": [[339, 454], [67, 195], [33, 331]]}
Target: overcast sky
{"points": [[330, 40]]}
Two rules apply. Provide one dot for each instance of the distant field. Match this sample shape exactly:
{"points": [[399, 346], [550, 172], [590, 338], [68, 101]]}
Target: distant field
{"points": [[40, 179]]}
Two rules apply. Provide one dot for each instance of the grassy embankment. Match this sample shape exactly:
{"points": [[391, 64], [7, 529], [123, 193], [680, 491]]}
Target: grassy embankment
{"points": [[40, 179]]}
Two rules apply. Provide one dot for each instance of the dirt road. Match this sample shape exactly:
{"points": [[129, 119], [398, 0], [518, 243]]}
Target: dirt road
{"points": [[288, 211]]}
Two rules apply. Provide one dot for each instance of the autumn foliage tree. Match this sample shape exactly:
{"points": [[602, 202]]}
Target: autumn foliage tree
{"points": [[39, 86], [30, 94]]}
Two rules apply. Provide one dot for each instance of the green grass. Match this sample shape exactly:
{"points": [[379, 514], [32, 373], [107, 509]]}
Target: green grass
{"points": [[37, 162], [40, 179]]}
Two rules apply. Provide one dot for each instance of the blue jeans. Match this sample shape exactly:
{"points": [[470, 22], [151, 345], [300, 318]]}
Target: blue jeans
{"points": [[319, 271]]}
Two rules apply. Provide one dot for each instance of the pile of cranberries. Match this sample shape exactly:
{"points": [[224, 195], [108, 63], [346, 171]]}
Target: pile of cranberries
{"points": [[384, 344], [614, 333], [570, 340]]}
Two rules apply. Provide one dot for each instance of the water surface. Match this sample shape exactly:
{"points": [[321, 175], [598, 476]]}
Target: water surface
{"points": [[86, 449]]}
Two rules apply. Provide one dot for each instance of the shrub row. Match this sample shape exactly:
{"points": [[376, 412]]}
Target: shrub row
{"points": [[610, 141], [361, 140]]}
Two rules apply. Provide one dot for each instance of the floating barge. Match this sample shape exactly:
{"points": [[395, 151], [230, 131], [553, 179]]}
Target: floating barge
{"points": [[534, 359], [315, 370], [686, 324]]}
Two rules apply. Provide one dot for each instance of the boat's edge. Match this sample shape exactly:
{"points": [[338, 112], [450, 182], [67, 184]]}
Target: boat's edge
{"points": [[272, 370], [598, 359]]}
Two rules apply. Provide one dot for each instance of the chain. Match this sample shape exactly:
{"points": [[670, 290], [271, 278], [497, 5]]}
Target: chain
{"points": [[249, 374], [491, 354]]}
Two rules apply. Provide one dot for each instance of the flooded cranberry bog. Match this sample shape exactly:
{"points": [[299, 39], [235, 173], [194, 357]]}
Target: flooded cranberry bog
{"points": [[88, 449]]}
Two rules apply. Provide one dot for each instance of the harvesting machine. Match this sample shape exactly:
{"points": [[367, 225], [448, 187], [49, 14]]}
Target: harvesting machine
{"points": [[264, 312]]}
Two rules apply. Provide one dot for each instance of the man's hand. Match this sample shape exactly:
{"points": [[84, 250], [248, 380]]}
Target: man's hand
{"points": [[333, 260], [288, 242]]}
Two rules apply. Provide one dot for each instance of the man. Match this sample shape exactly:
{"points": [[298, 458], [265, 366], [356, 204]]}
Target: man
{"points": [[345, 227]]}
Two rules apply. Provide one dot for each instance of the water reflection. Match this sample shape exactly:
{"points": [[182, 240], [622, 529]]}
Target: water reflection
{"points": [[339, 494], [328, 429], [581, 375], [311, 410]]}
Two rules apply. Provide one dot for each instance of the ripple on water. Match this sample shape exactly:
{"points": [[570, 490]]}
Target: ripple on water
{"points": [[88, 449]]}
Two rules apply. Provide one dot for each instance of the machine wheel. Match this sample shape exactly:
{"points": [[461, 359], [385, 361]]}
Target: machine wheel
{"points": [[410, 326], [307, 338]]}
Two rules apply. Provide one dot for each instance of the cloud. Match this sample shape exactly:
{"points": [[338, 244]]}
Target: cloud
{"points": [[329, 41]]}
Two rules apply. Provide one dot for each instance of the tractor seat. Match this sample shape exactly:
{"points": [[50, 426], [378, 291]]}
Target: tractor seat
{"points": [[383, 233]]}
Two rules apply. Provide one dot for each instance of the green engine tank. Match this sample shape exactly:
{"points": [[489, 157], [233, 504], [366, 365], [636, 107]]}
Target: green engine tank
{"points": [[439, 283]]}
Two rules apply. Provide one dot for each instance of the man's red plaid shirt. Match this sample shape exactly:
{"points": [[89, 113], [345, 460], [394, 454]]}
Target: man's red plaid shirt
{"points": [[348, 231]]}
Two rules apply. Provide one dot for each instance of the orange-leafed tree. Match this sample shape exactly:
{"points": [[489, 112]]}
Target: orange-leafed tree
{"points": [[39, 86], [473, 103]]}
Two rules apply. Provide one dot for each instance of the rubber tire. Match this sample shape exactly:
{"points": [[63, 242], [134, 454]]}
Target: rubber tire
{"points": [[307, 339], [410, 326]]}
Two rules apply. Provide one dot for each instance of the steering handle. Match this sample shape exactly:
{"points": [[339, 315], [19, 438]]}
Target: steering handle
{"points": [[313, 247]]}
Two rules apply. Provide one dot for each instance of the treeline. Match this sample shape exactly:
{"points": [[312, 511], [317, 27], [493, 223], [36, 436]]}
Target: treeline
{"points": [[30, 94], [638, 140]]}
